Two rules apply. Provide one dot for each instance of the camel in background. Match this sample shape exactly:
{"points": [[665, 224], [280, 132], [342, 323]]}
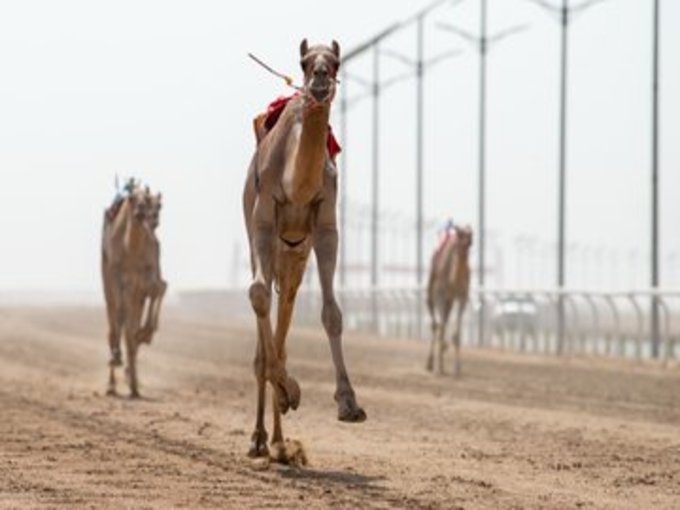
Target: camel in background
{"points": [[131, 277], [289, 204], [449, 284]]}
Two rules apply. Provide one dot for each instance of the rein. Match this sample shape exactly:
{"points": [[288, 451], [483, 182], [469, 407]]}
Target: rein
{"points": [[284, 77]]}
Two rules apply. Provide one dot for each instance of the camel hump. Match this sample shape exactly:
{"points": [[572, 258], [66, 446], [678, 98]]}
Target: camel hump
{"points": [[259, 128]]}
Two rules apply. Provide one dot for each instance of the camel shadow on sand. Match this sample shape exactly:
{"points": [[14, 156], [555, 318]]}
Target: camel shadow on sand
{"points": [[328, 478]]}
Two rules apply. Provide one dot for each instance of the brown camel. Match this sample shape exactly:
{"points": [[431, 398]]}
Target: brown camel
{"points": [[289, 205], [131, 276], [449, 284]]}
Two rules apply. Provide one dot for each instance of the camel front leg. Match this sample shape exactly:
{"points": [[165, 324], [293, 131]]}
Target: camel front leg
{"points": [[116, 326], [326, 249], [462, 303], [133, 315], [429, 365], [114, 313], [290, 268], [258, 445], [155, 298], [445, 312], [156, 308], [287, 389], [430, 357], [116, 316]]}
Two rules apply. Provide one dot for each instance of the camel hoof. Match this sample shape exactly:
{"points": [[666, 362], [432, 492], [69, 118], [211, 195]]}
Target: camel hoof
{"points": [[144, 336], [289, 452], [258, 445], [111, 392], [294, 393], [429, 366], [357, 415], [288, 395], [134, 395], [348, 409]]}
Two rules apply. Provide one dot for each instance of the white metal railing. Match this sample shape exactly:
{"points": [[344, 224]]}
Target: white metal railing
{"points": [[615, 323]]}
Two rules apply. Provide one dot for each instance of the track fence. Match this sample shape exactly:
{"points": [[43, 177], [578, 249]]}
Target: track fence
{"points": [[604, 323]]}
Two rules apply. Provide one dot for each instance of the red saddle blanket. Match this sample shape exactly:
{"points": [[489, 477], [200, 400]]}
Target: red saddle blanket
{"points": [[274, 111]]}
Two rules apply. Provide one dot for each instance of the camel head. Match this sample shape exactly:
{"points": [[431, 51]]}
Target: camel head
{"points": [[154, 204], [320, 64], [463, 238], [138, 204]]}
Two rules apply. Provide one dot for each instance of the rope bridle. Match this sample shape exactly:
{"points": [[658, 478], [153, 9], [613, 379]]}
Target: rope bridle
{"points": [[289, 81]]}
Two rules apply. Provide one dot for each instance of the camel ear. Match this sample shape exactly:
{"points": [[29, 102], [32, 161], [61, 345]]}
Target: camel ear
{"points": [[304, 48], [336, 49]]}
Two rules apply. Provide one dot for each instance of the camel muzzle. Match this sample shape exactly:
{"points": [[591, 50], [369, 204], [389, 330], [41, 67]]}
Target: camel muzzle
{"points": [[321, 94]]}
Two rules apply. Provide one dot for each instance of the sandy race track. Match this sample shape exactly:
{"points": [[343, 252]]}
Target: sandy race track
{"points": [[514, 432]]}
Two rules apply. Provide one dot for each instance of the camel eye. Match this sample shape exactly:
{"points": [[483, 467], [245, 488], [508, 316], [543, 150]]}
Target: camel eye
{"points": [[304, 63]]}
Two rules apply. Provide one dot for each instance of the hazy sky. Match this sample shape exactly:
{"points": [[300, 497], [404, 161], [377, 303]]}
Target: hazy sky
{"points": [[163, 90]]}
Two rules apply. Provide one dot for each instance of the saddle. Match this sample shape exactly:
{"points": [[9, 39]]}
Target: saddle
{"points": [[265, 122]]}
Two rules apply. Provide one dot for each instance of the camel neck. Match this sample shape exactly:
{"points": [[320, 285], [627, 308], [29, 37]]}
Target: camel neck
{"points": [[303, 179], [136, 235], [459, 265]]}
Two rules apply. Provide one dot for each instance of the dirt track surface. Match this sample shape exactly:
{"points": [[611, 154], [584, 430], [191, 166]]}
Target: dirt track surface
{"points": [[514, 432]]}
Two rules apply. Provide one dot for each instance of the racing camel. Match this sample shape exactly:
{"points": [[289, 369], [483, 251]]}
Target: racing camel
{"points": [[289, 204], [132, 277], [449, 285]]}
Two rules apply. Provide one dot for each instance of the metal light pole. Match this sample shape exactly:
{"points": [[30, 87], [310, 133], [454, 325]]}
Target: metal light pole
{"points": [[420, 50], [420, 65], [376, 161], [561, 201], [655, 183], [482, 166], [482, 42], [372, 43], [564, 13]]}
